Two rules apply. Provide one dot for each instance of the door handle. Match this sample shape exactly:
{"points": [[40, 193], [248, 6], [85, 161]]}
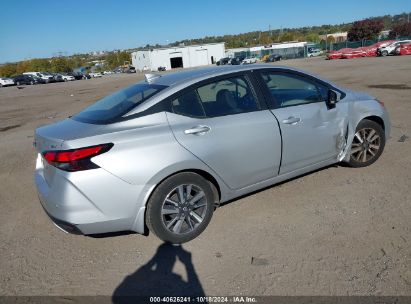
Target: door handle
{"points": [[292, 120], [198, 130]]}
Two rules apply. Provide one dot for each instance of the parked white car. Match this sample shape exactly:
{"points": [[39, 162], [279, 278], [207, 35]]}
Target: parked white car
{"points": [[67, 77], [95, 75], [389, 49], [4, 82], [249, 60], [314, 53], [107, 72]]}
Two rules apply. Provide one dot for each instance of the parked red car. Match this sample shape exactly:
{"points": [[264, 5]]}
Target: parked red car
{"points": [[366, 51], [354, 53], [404, 49]]}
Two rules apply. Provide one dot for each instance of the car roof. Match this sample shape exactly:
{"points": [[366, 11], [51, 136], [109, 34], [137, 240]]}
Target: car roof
{"points": [[175, 78]]}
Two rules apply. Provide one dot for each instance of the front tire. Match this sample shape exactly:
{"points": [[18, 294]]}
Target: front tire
{"points": [[367, 145], [180, 208]]}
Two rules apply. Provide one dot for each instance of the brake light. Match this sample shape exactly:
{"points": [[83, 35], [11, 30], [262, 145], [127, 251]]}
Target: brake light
{"points": [[76, 159]]}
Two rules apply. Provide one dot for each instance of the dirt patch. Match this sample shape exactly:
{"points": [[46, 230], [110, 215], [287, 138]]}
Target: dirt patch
{"points": [[390, 86], [4, 129]]}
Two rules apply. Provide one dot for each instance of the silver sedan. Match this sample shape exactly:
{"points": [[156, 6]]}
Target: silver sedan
{"points": [[161, 154]]}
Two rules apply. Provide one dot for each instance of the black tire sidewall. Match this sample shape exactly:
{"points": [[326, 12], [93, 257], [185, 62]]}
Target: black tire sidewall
{"points": [[154, 205], [371, 125]]}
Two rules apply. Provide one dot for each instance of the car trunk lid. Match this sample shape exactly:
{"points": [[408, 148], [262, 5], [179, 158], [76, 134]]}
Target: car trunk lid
{"points": [[52, 137]]}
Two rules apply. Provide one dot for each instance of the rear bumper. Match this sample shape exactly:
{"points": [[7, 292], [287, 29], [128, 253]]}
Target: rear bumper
{"points": [[89, 202], [62, 225]]}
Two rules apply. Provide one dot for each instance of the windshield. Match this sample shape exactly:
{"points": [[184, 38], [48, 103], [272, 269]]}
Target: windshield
{"points": [[112, 107]]}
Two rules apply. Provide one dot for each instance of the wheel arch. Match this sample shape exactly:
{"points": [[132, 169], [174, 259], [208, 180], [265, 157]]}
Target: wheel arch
{"points": [[206, 175], [375, 119], [140, 225]]}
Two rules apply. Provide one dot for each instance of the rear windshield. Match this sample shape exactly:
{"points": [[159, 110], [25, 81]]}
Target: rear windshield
{"points": [[111, 108]]}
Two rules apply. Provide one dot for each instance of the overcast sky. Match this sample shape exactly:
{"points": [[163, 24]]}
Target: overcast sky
{"points": [[31, 29]]}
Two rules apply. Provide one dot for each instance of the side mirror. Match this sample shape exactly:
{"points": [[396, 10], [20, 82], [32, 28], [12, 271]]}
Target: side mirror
{"points": [[332, 99]]}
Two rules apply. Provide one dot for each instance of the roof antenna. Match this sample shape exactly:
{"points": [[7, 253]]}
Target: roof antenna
{"points": [[150, 77]]}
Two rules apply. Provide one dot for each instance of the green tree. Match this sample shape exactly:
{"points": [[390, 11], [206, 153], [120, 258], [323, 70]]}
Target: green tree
{"points": [[39, 65], [8, 69], [22, 67], [115, 59], [288, 36], [60, 64], [312, 37]]}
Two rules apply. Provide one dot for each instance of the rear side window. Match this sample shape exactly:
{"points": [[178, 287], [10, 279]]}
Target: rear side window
{"points": [[225, 97], [291, 90], [113, 107], [188, 104]]}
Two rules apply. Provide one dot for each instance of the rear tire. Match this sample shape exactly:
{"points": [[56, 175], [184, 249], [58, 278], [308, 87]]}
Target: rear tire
{"points": [[180, 208], [367, 145]]}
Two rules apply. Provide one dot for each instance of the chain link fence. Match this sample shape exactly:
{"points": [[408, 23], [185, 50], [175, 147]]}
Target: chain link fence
{"points": [[353, 44], [301, 52]]}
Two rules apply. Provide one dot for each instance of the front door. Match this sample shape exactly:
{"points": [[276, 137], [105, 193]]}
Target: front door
{"points": [[311, 132]]}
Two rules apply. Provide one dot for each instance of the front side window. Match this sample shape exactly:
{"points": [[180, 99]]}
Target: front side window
{"points": [[291, 90], [114, 106]]}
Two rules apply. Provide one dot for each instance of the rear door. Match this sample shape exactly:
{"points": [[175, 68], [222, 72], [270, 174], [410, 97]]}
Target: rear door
{"points": [[311, 131], [222, 122]]}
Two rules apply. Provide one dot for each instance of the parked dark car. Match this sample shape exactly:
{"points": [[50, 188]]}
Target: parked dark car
{"points": [[223, 61], [40, 80], [79, 76], [235, 61], [25, 79], [57, 77], [274, 57], [130, 69], [161, 69]]}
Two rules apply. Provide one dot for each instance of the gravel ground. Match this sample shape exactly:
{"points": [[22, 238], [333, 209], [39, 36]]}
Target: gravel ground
{"points": [[337, 231]]}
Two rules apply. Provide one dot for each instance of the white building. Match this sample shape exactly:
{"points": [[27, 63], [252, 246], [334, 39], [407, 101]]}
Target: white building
{"points": [[287, 50], [178, 57]]}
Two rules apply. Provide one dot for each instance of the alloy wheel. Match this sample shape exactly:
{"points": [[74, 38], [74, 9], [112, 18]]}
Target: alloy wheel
{"points": [[184, 209], [366, 145]]}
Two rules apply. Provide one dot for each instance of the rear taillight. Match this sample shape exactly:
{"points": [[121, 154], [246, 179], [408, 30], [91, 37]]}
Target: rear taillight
{"points": [[381, 103], [75, 159]]}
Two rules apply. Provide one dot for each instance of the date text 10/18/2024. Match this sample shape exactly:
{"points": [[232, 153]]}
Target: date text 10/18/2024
{"points": [[205, 299]]}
